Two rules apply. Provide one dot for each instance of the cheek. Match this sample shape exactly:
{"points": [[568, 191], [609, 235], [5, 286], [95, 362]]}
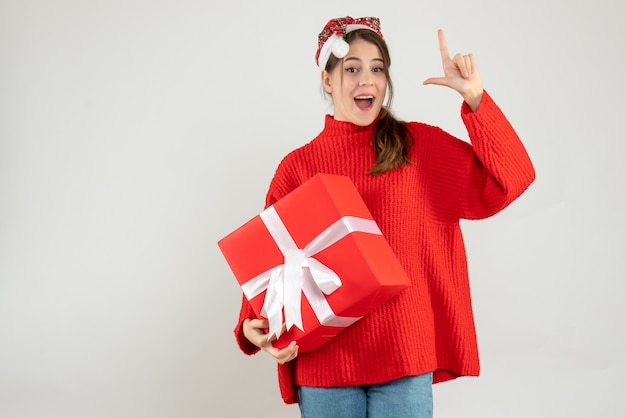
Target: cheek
{"points": [[350, 82], [382, 85]]}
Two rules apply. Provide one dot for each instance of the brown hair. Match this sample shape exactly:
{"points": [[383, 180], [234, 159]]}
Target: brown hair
{"points": [[391, 139]]}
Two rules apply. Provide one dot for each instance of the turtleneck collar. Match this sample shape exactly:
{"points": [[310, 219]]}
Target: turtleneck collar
{"points": [[348, 130]]}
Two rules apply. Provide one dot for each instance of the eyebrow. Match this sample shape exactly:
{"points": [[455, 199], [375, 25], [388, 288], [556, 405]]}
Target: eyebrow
{"points": [[358, 59]]}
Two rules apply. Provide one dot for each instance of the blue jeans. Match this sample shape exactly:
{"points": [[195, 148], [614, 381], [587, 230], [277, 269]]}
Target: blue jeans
{"points": [[410, 397]]}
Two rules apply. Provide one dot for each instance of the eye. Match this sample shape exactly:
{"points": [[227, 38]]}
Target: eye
{"points": [[352, 70], [378, 70]]}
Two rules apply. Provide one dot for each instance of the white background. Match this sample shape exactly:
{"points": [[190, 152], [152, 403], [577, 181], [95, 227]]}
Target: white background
{"points": [[134, 134]]}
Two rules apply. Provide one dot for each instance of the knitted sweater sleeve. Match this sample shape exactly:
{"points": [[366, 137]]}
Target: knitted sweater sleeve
{"points": [[478, 180], [283, 182], [279, 187]]}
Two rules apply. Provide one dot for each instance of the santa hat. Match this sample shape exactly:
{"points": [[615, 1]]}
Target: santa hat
{"points": [[330, 40]]}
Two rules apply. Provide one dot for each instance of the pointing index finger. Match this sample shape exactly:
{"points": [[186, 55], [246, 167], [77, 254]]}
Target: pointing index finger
{"points": [[443, 47]]}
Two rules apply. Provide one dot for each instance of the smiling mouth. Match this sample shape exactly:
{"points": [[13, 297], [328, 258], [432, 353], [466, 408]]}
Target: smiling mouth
{"points": [[364, 102]]}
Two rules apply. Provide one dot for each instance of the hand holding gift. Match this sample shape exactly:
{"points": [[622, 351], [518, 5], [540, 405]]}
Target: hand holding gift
{"points": [[254, 330]]}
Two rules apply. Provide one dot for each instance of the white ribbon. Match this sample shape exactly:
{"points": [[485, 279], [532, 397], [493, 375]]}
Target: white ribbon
{"points": [[301, 273]]}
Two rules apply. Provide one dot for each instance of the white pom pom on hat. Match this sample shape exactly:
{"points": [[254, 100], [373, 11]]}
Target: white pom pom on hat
{"points": [[330, 40], [339, 47]]}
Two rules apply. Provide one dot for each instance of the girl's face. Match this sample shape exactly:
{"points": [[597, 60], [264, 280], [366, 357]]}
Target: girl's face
{"points": [[357, 84]]}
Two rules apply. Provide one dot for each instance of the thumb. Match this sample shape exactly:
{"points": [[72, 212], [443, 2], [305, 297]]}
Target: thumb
{"points": [[440, 81]]}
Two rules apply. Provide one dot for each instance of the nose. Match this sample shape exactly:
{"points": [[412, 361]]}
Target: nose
{"points": [[366, 79]]}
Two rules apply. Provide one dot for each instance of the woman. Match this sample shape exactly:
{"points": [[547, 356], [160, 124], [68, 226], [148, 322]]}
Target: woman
{"points": [[418, 182]]}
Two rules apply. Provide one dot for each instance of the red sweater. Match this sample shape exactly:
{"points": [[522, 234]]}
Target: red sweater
{"points": [[430, 326]]}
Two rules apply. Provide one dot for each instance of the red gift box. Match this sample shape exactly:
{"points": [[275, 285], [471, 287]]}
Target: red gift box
{"points": [[315, 261]]}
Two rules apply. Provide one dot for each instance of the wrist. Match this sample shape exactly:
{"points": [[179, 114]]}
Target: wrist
{"points": [[473, 99]]}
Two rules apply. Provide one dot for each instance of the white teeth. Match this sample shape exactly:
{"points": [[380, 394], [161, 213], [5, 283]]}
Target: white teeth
{"points": [[363, 97]]}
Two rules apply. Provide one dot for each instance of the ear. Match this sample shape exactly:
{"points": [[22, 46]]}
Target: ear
{"points": [[326, 82]]}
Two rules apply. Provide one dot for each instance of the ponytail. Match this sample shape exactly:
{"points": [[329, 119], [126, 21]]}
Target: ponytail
{"points": [[391, 142]]}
